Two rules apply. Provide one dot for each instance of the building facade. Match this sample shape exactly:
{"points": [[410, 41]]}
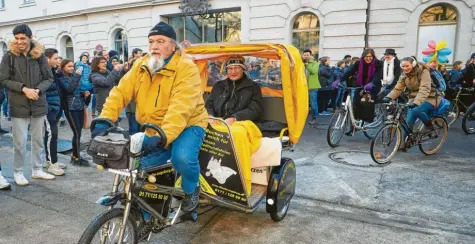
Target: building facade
{"points": [[331, 28]]}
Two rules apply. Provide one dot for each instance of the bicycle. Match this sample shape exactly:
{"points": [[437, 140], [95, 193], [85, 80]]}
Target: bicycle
{"points": [[469, 117], [454, 110], [392, 132], [345, 115]]}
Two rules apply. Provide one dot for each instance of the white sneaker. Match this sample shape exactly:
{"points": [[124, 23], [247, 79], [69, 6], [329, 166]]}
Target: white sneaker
{"points": [[20, 179], [55, 169], [4, 183], [40, 174], [47, 164]]}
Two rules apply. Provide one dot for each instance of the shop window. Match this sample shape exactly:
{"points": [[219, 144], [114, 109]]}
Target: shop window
{"points": [[121, 44], [306, 32]]}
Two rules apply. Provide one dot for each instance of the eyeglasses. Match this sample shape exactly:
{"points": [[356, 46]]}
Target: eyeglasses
{"points": [[369, 56]]}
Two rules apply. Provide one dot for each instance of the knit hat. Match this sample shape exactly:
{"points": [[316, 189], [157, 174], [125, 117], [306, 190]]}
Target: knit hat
{"points": [[236, 60], [473, 56], [163, 29], [113, 53]]}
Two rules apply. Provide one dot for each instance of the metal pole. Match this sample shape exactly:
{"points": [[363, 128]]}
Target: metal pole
{"points": [[366, 37]]}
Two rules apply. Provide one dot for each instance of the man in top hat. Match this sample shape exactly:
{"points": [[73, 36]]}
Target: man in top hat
{"points": [[166, 87], [391, 72], [237, 97]]}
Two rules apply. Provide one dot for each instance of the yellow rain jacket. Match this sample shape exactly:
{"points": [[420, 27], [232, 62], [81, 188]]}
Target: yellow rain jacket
{"points": [[171, 99]]}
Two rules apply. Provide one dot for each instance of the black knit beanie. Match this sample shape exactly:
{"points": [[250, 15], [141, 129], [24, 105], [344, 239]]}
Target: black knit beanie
{"points": [[163, 29]]}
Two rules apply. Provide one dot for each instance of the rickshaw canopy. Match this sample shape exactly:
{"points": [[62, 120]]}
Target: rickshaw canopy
{"points": [[294, 82]]}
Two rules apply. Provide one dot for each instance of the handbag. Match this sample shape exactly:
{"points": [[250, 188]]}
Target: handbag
{"points": [[87, 118], [111, 150], [365, 109]]}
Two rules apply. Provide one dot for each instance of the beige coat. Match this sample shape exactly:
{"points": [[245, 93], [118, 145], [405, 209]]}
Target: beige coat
{"points": [[420, 90]]}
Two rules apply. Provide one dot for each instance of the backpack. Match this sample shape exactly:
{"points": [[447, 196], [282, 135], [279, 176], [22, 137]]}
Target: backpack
{"points": [[437, 80], [10, 61]]}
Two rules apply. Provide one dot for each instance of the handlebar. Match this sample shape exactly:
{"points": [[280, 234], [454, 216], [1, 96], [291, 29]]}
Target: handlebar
{"points": [[161, 133], [103, 121]]}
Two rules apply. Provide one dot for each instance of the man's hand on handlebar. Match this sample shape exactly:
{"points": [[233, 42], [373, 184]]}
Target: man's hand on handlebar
{"points": [[151, 143], [99, 129]]}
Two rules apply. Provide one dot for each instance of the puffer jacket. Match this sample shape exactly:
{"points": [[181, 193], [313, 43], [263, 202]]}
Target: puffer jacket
{"points": [[53, 94], [31, 71], [171, 98], [85, 84], [419, 83], [325, 76], [103, 83], [71, 91]]}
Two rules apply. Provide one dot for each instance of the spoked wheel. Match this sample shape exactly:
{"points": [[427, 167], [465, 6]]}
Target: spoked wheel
{"points": [[280, 215], [337, 128], [453, 113], [468, 122], [433, 141], [386, 143], [372, 128], [106, 227]]}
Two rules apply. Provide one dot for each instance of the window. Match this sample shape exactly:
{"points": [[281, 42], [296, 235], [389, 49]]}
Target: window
{"points": [[28, 1], [121, 45], [3, 48], [208, 28], [306, 32], [438, 23], [69, 49], [2, 3]]}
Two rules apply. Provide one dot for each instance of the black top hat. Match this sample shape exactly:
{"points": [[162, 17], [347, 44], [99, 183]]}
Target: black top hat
{"points": [[390, 51]]}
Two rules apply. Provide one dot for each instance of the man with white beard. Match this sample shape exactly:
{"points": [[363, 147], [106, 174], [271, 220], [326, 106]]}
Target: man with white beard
{"points": [[166, 86], [391, 72]]}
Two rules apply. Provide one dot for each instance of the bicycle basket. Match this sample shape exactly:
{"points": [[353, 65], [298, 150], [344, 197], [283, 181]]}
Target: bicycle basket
{"points": [[111, 150], [442, 110]]}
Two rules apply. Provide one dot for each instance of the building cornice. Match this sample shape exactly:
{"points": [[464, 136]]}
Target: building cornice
{"points": [[137, 4]]}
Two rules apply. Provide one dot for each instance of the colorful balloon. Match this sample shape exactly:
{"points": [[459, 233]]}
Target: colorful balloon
{"points": [[441, 45], [443, 52], [427, 58], [428, 51], [432, 44], [442, 59]]}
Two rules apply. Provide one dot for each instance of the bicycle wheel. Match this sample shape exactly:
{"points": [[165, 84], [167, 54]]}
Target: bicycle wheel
{"points": [[454, 113], [468, 122], [105, 228], [386, 143], [432, 142], [337, 128]]}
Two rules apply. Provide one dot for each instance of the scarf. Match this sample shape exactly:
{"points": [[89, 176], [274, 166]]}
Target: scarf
{"points": [[388, 75], [371, 71]]}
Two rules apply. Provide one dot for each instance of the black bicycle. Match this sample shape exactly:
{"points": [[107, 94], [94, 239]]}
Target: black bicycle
{"points": [[456, 103], [389, 138], [468, 122]]}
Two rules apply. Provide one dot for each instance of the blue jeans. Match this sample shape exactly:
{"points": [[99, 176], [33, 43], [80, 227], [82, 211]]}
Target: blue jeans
{"points": [[133, 125], [4, 101], [421, 112], [340, 96], [183, 153], [313, 95]]}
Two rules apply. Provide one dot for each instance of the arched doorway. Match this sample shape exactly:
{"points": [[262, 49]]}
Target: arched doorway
{"points": [[121, 44], [439, 23], [66, 47], [306, 32], [3, 48]]}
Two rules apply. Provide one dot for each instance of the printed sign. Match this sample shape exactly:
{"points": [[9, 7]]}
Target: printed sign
{"points": [[219, 166]]}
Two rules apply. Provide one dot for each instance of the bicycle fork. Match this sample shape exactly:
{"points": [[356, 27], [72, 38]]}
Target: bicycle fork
{"points": [[130, 180]]}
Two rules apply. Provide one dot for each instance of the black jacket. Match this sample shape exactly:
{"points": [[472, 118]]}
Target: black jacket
{"points": [[241, 99], [30, 71], [376, 80]]}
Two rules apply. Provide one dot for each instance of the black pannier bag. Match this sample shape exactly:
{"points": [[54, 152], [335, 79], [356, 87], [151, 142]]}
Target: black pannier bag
{"points": [[111, 150], [364, 110]]}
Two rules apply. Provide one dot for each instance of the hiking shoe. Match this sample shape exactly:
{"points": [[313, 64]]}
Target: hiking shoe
{"points": [[20, 179], [312, 122], [47, 164], [55, 169], [40, 174], [81, 162], [4, 184], [191, 201]]}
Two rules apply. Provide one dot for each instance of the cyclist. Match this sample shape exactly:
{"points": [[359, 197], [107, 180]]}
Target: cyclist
{"points": [[416, 78]]}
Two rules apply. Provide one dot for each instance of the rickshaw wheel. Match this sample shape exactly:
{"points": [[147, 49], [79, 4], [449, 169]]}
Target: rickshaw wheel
{"points": [[280, 215]]}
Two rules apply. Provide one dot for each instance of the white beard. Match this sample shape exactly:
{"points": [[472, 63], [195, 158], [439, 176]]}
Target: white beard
{"points": [[155, 65]]}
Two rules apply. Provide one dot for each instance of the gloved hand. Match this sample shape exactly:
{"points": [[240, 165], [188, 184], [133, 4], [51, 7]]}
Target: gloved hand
{"points": [[386, 100], [368, 87], [99, 130], [150, 143], [412, 105], [336, 84]]}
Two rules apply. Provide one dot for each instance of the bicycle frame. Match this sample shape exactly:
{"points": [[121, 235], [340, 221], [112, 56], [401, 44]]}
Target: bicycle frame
{"points": [[457, 99], [348, 105]]}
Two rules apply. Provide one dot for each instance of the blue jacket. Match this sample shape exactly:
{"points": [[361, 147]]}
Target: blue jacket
{"points": [[325, 76], [455, 75], [338, 74], [85, 84], [53, 95], [71, 91]]}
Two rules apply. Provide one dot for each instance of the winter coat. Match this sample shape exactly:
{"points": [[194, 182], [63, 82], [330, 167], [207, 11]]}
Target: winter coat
{"points": [[30, 71], [468, 76], [376, 80], [455, 76], [337, 74], [241, 99], [71, 91], [53, 94], [325, 76], [311, 69], [103, 83], [397, 75], [420, 89], [85, 84], [171, 98]]}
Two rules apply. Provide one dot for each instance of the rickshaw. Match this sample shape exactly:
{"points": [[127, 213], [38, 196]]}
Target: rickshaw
{"points": [[157, 190]]}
